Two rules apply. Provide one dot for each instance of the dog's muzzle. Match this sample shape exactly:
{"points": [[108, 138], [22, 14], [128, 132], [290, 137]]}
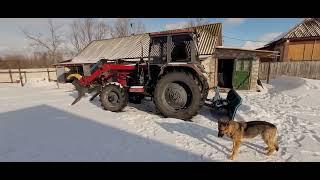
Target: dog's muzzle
{"points": [[220, 134]]}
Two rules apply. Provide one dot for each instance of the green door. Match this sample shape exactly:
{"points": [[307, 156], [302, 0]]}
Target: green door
{"points": [[241, 74]]}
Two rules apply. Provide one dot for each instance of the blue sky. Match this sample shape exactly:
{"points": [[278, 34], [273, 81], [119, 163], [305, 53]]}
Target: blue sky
{"points": [[246, 29], [255, 29]]}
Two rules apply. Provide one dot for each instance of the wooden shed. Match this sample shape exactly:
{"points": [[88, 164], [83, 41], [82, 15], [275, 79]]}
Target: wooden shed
{"points": [[238, 68]]}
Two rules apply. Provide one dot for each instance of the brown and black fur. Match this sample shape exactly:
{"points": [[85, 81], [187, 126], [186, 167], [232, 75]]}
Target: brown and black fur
{"points": [[239, 130]]}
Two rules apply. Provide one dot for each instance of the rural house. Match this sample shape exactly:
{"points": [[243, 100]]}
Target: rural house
{"points": [[300, 43], [226, 67]]}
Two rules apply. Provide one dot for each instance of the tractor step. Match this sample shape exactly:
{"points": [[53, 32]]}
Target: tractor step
{"points": [[136, 89]]}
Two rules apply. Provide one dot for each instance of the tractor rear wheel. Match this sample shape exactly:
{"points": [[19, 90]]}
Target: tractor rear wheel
{"points": [[178, 95], [113, 98]]}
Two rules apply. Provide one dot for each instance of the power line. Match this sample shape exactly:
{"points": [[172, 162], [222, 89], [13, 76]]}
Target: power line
{"points": [[245, 39]]}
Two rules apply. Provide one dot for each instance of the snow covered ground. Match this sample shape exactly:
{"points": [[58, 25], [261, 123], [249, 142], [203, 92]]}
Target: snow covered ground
{"points": [[37, 123]]}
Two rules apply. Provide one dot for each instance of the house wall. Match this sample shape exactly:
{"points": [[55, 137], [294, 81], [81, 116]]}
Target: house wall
{"points": [[254, 74], [299, 50], [210, 65]]}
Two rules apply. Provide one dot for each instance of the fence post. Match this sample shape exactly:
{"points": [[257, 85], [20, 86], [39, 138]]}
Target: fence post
{"points": [[10, 75], [20, 77], [25, 77], [48, 74], [269, 67], [57, 78]]}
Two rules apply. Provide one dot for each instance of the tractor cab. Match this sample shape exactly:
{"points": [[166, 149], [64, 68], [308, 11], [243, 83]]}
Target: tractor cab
{"points": [[173, 47], [173, 50]]}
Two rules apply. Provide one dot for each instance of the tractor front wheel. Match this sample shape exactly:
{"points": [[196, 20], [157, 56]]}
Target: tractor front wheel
{"points": [[113, 98]]}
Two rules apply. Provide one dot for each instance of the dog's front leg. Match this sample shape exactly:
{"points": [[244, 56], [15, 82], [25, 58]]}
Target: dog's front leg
{"points": [[232, 152], [233, 145], [235, 149]]}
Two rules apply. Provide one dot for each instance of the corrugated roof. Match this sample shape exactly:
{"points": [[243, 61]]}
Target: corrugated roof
{"points": [[116, 48], [243, 49], [231, 52], [209, 34], [309, 27], [130, 47]]}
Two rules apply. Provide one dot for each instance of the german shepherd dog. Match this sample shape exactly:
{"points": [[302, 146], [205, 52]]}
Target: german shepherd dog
{"points": [[239, 130]]}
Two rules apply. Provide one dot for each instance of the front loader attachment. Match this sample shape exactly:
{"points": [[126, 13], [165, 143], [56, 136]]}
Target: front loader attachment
{"points": [[81, 91]]}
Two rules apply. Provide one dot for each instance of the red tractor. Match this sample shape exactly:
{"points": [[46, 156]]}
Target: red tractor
{"points": [[173, 77]]}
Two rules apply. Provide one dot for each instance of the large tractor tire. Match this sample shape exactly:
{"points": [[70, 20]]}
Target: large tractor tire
{"points": [[178, 95], [113, 98]]}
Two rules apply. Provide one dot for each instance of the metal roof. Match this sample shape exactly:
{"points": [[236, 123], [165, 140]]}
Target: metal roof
{"points": [[309, 27], [130, 47], [116, 48], [209, 35], [221, 51], [243, 49]]}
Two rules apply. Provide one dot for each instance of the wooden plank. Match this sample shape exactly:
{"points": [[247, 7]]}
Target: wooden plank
{"points": [[295, 52], [316, 51], [304, 69], [268, 76], [308, 51]]}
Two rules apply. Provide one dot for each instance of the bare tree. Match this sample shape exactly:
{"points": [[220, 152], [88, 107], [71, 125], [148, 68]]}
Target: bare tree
{"points": [[126, 27], [83, 31], [197, 22], [50, 43]]}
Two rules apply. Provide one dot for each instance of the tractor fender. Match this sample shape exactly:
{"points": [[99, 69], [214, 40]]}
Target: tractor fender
{"points": [[184, 66], [77, 76]]}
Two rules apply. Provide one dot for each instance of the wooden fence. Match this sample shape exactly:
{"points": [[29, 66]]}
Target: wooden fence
{"points": [[7, 75], [304, 69]]}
